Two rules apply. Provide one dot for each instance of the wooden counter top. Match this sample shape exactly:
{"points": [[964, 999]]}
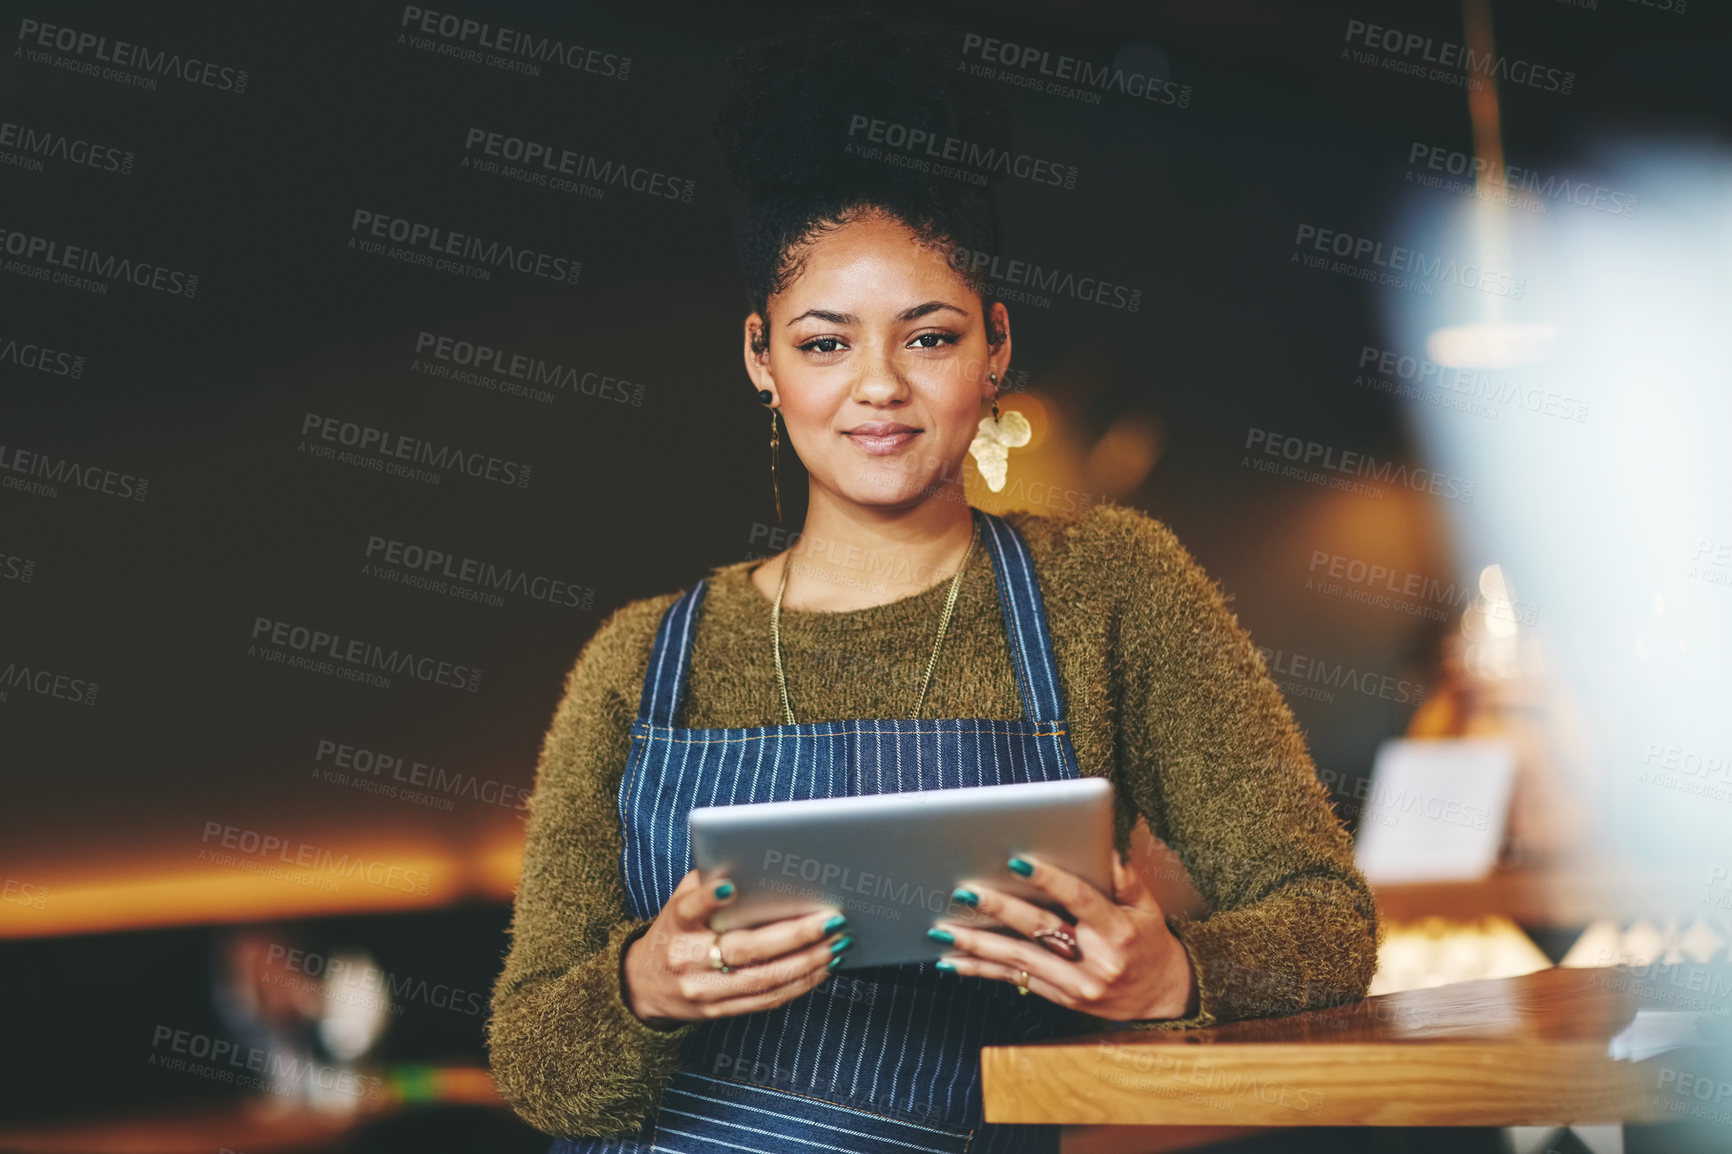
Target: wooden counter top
{"points": [[1511, 1051]]}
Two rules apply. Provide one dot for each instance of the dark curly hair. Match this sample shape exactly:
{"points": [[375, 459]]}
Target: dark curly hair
{"points": [[798, 113]]}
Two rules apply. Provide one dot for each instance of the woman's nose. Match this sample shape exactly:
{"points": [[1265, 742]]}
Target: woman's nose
{"points": [[880, 380]]}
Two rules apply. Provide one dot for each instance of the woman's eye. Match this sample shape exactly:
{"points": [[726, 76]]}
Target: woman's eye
{"points": [[932, 340], [822, 345]]}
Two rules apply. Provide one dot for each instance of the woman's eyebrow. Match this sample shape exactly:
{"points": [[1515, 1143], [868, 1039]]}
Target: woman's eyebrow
{"points": [[928, 309], [827, 316], [908, 314]]}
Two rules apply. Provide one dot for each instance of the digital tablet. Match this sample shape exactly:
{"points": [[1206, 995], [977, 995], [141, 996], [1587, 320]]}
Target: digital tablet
{"points": [[890, 861]]}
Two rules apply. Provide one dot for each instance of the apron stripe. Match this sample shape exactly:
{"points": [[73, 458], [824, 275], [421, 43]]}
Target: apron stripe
{"points": [[706, 1112]]}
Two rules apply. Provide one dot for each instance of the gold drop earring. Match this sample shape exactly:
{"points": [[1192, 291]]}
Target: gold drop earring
{"points": [[765, 396], [992, 443]]}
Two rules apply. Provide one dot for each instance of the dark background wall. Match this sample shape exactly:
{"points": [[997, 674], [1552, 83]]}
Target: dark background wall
{"points": [[645, 463]]}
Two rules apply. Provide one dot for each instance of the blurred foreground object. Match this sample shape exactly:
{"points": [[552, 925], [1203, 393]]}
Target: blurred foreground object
{"points": [[1493, 681]]}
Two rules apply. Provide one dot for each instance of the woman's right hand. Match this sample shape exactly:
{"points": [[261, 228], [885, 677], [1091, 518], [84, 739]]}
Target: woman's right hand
{"points": [[670, 980]]}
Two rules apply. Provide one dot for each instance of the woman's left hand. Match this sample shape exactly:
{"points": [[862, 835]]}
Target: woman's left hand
{"points": [[1131, 966]]}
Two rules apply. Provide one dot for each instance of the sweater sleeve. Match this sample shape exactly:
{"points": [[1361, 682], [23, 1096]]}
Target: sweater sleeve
{"points": [[1213, 758], [564, 1048]]}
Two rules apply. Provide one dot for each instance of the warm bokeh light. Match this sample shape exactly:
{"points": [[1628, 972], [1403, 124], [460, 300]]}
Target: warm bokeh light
{"points": [[141, 897], [1434, 951], [1126, 453], [1490, 345]]}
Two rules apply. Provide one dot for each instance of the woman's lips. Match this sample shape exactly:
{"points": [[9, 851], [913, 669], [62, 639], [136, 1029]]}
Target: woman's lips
{"points": [[878, 444]]}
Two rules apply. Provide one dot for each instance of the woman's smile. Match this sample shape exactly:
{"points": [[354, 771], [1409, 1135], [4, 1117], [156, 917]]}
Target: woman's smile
{"points": [[881, 438]]}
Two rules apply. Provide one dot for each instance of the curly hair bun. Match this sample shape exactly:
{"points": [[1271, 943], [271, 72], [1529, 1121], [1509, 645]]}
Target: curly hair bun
{"points": [[797, 102], [846, 113]]}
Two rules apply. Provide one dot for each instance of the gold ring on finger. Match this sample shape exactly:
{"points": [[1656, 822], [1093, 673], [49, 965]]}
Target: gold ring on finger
{"points": [[716, 955], [1022, 982]]}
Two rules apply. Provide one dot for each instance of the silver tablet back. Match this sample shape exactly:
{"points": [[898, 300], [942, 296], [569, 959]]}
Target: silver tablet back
{"points": [[890, 861]]}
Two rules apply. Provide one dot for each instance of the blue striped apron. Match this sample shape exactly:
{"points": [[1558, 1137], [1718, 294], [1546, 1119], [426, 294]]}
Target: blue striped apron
{"points": [[880, 1060]]}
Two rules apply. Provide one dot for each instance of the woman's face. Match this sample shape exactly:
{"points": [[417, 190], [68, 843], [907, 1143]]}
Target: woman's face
{"points": [[878, 358]]}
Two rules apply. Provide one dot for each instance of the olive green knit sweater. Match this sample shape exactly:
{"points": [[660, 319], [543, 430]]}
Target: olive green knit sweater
{"points": [[1164, 694]]}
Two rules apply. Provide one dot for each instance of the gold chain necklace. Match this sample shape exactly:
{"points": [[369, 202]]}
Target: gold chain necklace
{"points": [[937, 643]]}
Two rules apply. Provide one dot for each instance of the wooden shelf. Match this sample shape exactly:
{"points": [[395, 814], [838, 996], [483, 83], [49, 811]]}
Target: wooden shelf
{"points": [[1559, 896]]}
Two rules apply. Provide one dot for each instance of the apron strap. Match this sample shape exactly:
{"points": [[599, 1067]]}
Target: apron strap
{"points": [[1024, 620], [664, 683], [1018, 595]]}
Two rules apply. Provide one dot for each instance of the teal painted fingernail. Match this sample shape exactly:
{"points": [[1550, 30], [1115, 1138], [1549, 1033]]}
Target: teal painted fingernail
{"points": [[1017, 865], [944, 936], [834, 962], [724, 890], [947, 967], [842, 945], [966, 897], [835, 924]]}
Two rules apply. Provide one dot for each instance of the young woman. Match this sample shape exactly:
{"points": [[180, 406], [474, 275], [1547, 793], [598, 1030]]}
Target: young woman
{"points": [[908, 641]]}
